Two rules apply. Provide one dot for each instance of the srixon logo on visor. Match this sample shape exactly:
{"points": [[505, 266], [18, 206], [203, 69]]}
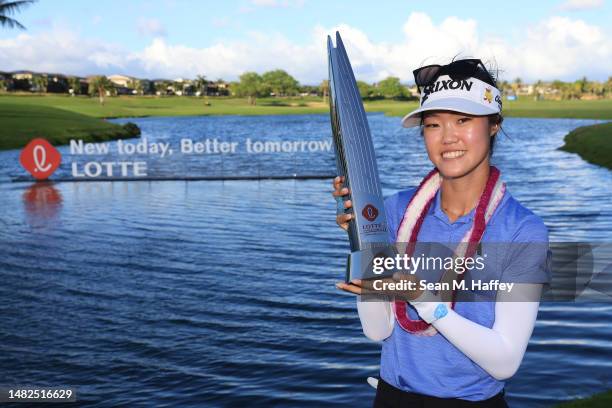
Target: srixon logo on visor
{"points": [[447, 84], [40, 158]]}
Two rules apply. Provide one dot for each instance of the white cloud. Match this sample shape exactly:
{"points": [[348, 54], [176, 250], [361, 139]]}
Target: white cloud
{"points": [[574, 5], [59, 50], [554, 48], [561, 47], [228, 60], [151, 27]]}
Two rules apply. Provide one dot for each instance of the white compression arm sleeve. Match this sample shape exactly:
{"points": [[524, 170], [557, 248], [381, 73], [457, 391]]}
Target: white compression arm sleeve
{"points": [[377, 319], [498, 350]]}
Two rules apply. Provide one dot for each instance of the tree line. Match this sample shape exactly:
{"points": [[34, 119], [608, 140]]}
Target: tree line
{"points": [[279, 83], [579, 89]]}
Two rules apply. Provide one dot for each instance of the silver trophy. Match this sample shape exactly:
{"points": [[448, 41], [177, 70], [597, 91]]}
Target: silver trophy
{"points": [[356, 161]]}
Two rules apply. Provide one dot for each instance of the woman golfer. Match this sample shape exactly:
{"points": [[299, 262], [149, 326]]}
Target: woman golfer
{"points": [[436, 352]]}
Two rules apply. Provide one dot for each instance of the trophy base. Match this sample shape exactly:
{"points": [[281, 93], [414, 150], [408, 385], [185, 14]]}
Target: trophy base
{"points": [[359, 264]]}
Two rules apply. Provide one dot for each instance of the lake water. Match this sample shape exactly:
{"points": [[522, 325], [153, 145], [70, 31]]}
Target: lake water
{"points": [[200, 293]]}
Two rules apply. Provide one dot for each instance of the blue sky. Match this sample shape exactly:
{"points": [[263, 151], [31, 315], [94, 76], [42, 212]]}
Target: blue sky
{"points": [[172, 38]]}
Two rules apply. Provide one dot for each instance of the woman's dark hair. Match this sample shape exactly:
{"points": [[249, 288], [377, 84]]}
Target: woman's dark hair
{"points": [[495, 119]]}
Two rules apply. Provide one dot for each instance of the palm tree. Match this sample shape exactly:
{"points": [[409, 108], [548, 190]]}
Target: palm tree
{"points": [[100, 85], [503, 87], [75, 84], [324, 88], [140, 89], [608, 86], [582, 84], [136, 85], [7, 8], [177, 86], [516, 85], [40, 83], [200, 84], [161, 88], [538, 89]]}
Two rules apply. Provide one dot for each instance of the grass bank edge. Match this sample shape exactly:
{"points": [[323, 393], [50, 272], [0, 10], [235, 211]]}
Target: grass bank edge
{"points": [[146, 106], [90, 128], [592, 143], [602, 400], [22, 123]]}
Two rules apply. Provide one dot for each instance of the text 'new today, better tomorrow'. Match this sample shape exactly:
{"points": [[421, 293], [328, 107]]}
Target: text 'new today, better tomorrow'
{"points": [[129, 156]]}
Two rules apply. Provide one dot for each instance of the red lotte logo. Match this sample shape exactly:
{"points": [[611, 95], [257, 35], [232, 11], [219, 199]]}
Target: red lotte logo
{"points": [[40, 158], [370, 212]]}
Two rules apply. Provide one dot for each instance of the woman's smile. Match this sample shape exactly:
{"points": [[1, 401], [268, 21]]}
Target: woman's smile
{"points": [[453, 154]]}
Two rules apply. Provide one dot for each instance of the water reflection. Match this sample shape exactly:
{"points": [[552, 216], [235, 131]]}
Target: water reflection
{"points": [[42, 203]]}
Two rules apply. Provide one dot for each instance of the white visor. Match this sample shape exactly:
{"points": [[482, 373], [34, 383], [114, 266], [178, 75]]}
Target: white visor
{"points": [[470, 95]]}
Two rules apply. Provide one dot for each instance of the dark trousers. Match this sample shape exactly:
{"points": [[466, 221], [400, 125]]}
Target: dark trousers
{"points": [[388, 396]]}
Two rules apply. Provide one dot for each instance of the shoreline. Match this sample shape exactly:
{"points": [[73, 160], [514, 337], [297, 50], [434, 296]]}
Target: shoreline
{"points": [[592, 143], [118, 107], [600, 400], [60, 117], [22, 123]]}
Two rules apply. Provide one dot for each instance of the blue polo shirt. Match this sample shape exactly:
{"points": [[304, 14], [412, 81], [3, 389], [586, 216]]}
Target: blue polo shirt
{"points": [[431, 365]]}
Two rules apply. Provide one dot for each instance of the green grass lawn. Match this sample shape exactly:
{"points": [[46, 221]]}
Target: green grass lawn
{"points": [[61, 117], [593, 143], [603, 400], [132, 106], [526, 108], [21, 123]]}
